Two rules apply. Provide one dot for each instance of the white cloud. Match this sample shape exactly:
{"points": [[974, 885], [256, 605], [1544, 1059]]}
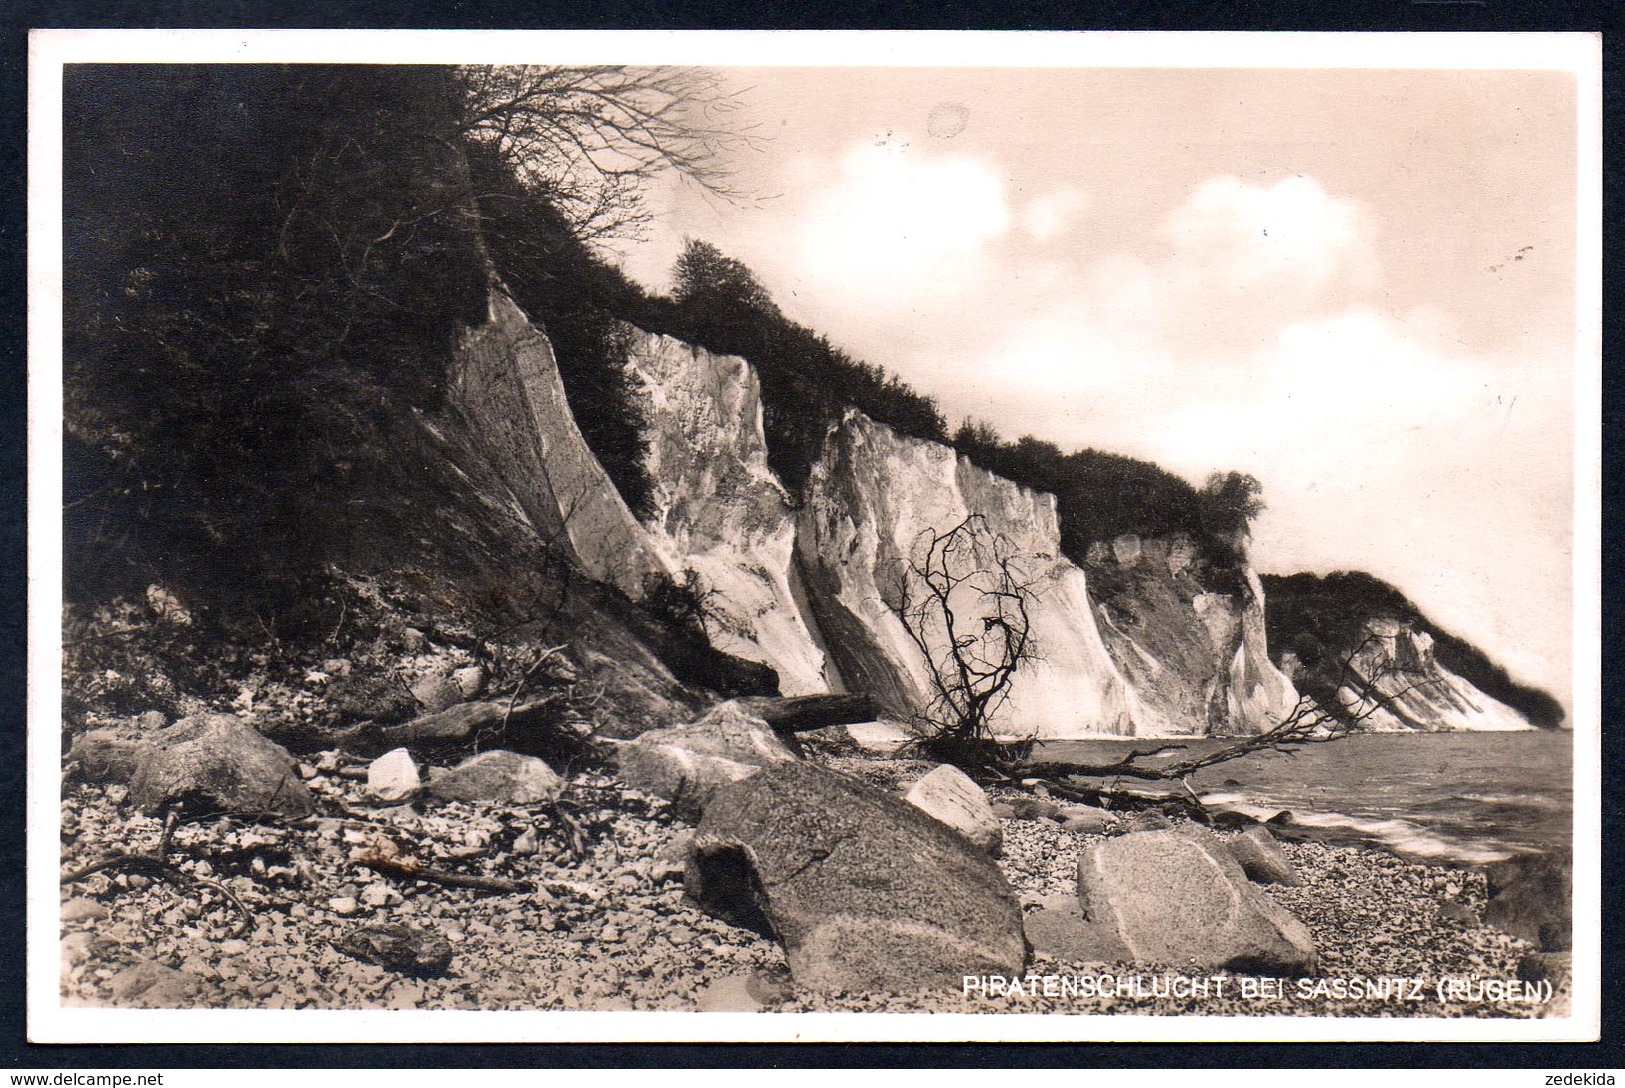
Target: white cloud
{"points": [[900, 226], [1047, 217], [1234, 236]]}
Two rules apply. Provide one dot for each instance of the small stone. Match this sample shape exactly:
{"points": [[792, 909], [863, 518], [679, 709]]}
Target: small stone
{"points": [[413, 641], [398, 948], [83, 910], [1086, 819], [379, 894], [609, 935], [499, 777], [343, 905], [437, 692], [1148, 820], [470, 680], [527, 842], [730, 994], [1262, 859], [393, 776], [233, 947]]}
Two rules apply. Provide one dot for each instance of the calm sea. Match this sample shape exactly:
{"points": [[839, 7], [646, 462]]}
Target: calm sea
{"points": [[1448, 798]]}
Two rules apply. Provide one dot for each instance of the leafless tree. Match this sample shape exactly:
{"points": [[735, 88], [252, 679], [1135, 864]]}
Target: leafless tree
{"points": [[964, 599], [591, 137]]}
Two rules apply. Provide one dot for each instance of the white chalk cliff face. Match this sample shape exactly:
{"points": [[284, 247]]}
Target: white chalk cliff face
{"points": [[719, 512], [1398, 687], [1195, 660], [504, 383], [869, 500], [718, 509]]}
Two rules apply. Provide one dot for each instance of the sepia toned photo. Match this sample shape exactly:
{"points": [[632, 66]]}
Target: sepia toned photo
{"points": [[868, 536]]}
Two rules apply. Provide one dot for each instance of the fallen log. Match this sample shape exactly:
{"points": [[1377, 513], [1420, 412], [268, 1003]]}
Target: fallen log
{"points": [[452, 726], [803, 713]]}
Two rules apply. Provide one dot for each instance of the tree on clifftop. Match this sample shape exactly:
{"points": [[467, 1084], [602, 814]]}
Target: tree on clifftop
{"points": [[590, 138]]}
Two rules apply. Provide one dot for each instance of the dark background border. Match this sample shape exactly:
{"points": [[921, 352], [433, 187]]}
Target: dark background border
{"points": [[18, 16]]}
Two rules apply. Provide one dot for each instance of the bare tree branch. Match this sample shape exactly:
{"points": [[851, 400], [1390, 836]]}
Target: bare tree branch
{"points": [[589, 138]]}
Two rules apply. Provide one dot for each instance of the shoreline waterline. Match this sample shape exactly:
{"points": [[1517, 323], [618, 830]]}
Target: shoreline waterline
{"points": [[1441, 798]]}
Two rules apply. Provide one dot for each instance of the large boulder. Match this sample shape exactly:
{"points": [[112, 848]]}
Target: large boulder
{"points": [[948, 796], [1532, 896], [214, 763], [688, 764], [505, 778], [1182, 900], [865, 891]]}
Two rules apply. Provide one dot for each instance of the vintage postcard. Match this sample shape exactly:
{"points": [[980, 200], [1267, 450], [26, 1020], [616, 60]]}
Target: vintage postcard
{"points": [[779, 536]]}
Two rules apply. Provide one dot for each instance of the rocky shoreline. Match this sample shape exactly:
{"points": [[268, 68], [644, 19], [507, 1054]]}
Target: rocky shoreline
{"points": [[612, 930]]}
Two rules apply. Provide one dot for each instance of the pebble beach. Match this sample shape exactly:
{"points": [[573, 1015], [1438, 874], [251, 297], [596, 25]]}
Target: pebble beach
{"points": [[611, 930]]}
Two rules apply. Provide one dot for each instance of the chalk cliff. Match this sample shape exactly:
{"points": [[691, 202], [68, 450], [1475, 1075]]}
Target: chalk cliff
{"points": [[1195, 659], [870, 499], [1395, 684], [1152, 636], [719, 512]]}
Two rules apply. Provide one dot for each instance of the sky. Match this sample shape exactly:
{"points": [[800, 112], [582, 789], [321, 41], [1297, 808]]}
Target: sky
{"points": [[1357, 285]]}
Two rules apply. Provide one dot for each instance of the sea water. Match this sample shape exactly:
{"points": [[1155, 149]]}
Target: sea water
{"points": [[1445, 798]]}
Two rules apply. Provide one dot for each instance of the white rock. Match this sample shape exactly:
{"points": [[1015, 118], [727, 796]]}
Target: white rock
{"points": [[379, 894], [948, 796], [343, 905], [393, 776], [470, 680]]}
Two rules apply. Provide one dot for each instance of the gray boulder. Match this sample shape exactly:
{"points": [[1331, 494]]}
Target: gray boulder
{"points": [[504, 778], [1262, 859], [1182, 900], [1532, 896], [1058, 928], [865, 891], [214, 763], [106, 755], [948, 796], [688, 764]]}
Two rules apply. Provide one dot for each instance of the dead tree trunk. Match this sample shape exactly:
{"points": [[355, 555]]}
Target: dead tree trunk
{"points": [[801, 713]]}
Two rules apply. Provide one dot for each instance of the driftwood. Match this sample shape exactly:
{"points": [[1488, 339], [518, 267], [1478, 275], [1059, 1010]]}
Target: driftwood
{"points": [[157, 864], [415, 870], [802, 713]]}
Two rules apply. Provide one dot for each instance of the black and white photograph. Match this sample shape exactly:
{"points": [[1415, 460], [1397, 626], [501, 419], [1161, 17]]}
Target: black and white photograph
{"points": [[862, 536]]}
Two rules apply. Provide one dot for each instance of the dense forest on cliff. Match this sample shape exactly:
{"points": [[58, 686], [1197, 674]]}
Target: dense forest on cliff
{"points": [[1317, 618]]}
